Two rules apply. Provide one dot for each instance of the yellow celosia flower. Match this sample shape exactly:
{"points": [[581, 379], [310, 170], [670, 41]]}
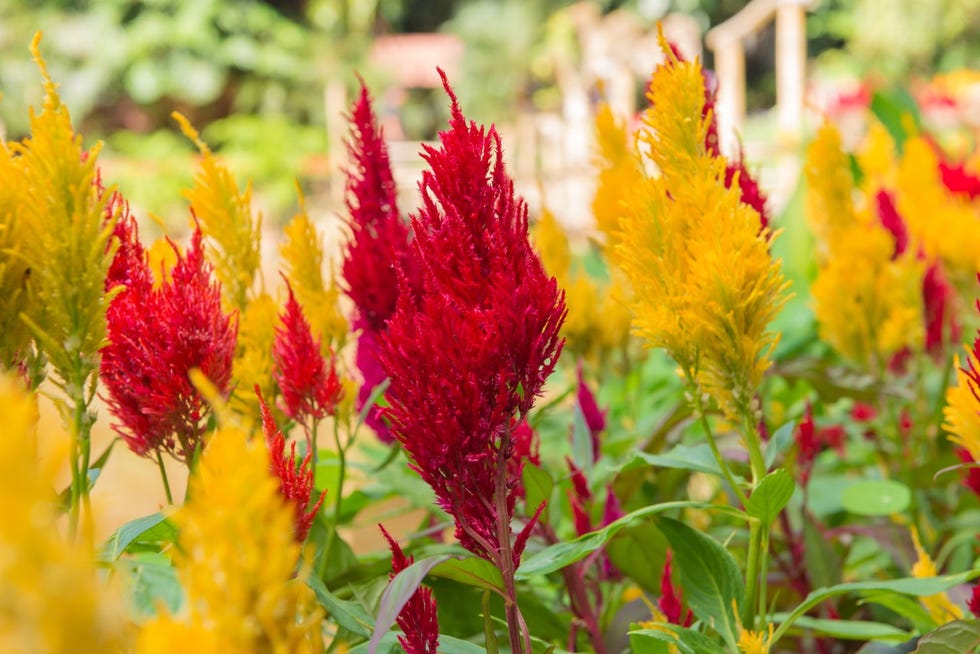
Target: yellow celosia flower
{"points": [[941, 609], [944, 224], [253, 363], [869, 306], [877, 158], [237, 559], [225, 216], [161, 258], [619, 171], [868, 302], [52, 599], [754, 642], [829, 201], [302, 254], [598, 315], [962, 411], [14, 336], [705, 285], [66, 237]]}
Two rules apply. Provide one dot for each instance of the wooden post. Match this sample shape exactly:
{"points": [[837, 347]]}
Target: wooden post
{"points": [[730, 68], [790, 66]]}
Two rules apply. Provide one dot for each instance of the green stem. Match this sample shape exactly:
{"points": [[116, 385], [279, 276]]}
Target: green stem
{"points": [[758, 561], [81, 448], [163, 476], [752, 575], [699, 408], [338, 500]]}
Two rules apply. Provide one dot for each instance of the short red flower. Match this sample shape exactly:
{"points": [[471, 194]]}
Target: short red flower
{"points": [[156, 337], [310, 388], [670, 598], [295, 480], [418, 619]]}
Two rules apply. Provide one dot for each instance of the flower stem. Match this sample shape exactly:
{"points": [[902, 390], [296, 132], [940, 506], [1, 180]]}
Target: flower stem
{"points": [[163, 476], [338, 500], [520, 637], [702, 416]]}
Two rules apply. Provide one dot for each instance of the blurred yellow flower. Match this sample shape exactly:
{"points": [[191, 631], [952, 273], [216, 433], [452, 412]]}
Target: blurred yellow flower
{"points": [[868, 301], [705, 285], [225, 215], [754, 642], [14, 336], [52, 599], [253, 363], [619, 170], [945, 225], [877, 158], [598, 318], [240, 581], [941, 609], [302, 254]]}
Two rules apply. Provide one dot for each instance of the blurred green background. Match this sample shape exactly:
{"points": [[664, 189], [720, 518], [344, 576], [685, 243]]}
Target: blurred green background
{"points": [[251, 74]]}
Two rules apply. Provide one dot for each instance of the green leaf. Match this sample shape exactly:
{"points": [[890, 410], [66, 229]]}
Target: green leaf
{"points": [[451, 645], [696, 458], [687, 641], [771, 496], [876, 497], [822, 561], [894, 108], [152, 581], [349, 615], [565, 553], [396, 596], [905, 606], [957, 637], [919, 587], [849, 629], [712, 582], [779, 443], [538, 487], [640, 551], [153, 528], [476, 572]]}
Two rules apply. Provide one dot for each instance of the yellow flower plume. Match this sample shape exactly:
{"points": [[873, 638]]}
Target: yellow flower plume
{"points": [[619, 171], [253, 363], [14, 335], [67, 236], [53, 601], [302, 254], [240, 583], [962, 411], [225, 215], [941, 609], [705, 285], [867, 301]]}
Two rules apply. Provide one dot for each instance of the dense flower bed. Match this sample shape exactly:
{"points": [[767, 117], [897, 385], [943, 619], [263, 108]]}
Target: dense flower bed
{"points": [[652, 442]]}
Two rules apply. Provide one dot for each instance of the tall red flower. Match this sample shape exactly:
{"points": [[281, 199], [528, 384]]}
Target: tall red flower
{"points": [[468, 357], [310, 388], [156, 336], [377, 249], [295, 480], [418, 619], [670, 598]]}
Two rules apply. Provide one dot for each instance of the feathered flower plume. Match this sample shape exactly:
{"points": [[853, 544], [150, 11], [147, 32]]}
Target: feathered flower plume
{"points": [[418, 619], [705, 285], [156, 336], [468, 357], [378, 247], [295, 479]]}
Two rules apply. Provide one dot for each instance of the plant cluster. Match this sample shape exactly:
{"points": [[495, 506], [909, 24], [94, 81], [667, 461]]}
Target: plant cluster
{"points": [[758, 467]]}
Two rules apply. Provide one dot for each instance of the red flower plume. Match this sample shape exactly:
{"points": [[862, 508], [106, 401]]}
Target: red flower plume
{"points": [[295, 481], [467, 358], [418, 619], [309, 387], [156, 336]]}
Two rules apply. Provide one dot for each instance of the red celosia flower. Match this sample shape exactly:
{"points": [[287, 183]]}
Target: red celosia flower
{"points": [[974, 602], [972, 479], [807, 445], [580, 517], [579, 483], [670, 599], [418, 619], [957, 179], [595, 418], [156, 336], [527, 447], [295, 481], [468, 357], [310, 388], [892, 221], [378, 247]]}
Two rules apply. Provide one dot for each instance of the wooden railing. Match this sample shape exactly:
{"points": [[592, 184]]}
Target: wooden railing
{"points": [[727, 42]]}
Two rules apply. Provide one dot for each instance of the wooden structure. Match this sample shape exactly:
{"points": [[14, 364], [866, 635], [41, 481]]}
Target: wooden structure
{"points": [[727, 42]]}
